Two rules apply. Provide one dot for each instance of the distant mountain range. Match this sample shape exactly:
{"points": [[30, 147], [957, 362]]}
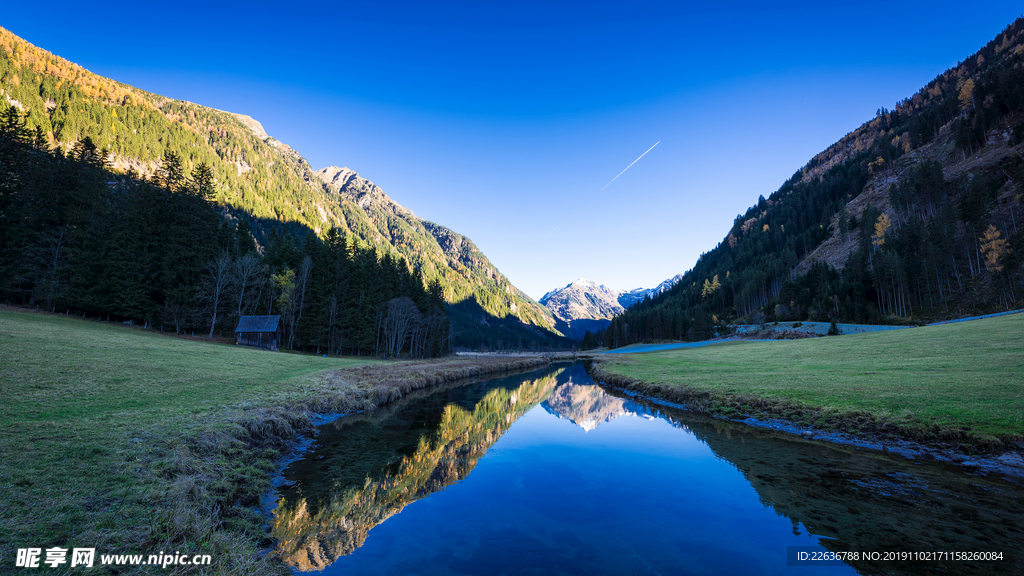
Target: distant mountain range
{"points": [[585, 305], [627, 299]]}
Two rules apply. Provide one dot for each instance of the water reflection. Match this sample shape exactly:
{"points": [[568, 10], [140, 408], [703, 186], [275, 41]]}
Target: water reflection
{"points": [[863, 500], [368, 467], [641, 489], [587, 405]]}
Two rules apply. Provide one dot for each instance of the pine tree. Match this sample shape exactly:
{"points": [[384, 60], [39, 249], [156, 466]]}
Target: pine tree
{"points": [[202, 182], [171, 174]]}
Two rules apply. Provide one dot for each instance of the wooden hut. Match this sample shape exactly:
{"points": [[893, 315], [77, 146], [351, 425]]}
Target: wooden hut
{"points": [[259, 331]]}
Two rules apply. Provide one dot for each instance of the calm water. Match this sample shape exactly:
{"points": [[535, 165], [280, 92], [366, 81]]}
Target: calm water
{"points": [[546, 473]]}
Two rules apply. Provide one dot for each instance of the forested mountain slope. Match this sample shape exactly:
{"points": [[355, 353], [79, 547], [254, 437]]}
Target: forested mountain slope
{"points": [[915, 215], [258, 180], [431, 248]]}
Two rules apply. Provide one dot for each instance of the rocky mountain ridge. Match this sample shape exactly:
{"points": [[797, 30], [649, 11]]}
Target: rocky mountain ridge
{"points": [[627, 299], [584, 305], [416, 239]]}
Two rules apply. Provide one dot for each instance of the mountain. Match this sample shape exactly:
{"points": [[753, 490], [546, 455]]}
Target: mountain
{"points": [[631, 297], [262, 184], [584, 305], [914, 216], [436, 250], [582, 298]]}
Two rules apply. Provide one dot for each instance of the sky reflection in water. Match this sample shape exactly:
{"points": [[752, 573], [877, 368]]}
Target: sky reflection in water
{"points": [[547, 473]]}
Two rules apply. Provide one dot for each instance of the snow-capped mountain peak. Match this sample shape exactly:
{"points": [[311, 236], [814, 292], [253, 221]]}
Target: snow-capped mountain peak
{"points": [[586, 305]]}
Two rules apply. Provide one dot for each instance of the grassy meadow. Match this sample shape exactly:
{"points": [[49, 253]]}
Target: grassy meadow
{"points": [[960, 382], [132, 441]]}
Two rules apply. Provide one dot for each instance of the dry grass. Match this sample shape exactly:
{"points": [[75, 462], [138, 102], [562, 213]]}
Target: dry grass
{"points": [[134, 442]]}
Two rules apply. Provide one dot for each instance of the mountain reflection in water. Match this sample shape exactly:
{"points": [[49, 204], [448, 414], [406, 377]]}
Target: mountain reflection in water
{"points": [[367, 467], [669, 492], [588, 405]]}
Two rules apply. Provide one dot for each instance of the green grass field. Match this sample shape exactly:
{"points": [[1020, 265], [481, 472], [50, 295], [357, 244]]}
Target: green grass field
{"points": [[968, 374], [134, 442], [100, 424], [64, 369]]}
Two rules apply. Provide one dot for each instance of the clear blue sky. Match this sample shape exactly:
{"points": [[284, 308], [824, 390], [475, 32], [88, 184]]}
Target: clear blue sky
{"points": [[503, 121]]}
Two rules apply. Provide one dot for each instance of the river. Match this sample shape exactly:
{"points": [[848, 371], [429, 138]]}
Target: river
{"points": [[548, 473]]}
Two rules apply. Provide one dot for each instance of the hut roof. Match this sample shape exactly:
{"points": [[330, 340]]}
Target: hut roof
{"points": [[258, 324]]}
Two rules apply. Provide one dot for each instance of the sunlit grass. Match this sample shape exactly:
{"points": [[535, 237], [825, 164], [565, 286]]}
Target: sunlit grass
{"points": [[968, 374], [59, 368]]}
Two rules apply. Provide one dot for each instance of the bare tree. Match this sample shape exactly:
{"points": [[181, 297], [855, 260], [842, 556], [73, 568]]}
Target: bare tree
{"points": [[434, 334], [334, 336], [302, 278], [401, 320], [292, 302], [246, 271], [217, 282], [52, 262], [262, 283], [273, 289], [178, 313]]}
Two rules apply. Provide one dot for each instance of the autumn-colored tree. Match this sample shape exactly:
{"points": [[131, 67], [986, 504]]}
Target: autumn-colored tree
{"points": [[710, 287], [882, 226], [993, 247], [285, 283], [967, 94]]}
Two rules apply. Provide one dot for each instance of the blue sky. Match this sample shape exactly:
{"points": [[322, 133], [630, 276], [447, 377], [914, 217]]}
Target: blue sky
{"points": [[503, 121]]}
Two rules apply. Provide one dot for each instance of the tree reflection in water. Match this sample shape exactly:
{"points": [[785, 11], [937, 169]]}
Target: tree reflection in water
{"points": [[368, 467]]}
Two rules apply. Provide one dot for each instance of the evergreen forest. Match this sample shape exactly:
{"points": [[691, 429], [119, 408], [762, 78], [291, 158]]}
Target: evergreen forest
{"points": [[77, 238]]}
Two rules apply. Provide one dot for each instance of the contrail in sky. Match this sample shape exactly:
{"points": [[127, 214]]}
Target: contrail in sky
{"points": [[552, 230], [634, 162]]}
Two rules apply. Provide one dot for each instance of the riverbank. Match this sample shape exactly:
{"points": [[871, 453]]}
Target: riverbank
{"points": [[133, 442], [956, 389]]}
